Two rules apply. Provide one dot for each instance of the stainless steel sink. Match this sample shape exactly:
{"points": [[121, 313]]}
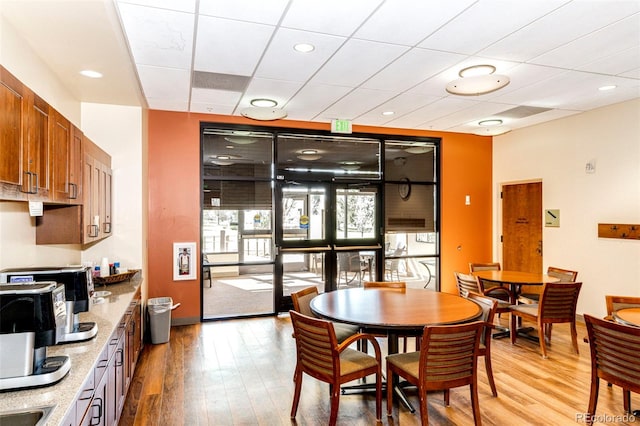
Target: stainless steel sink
{"points": [[27, 417]]}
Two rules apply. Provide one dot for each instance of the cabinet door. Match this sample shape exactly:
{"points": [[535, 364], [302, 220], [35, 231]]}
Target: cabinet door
{"points": [[91, 187], [36, 150], [60, 143], [75, 166], [13, 106], [105, 195]]}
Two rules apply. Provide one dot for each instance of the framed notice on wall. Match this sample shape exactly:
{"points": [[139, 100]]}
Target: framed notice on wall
{"points": [[184, 261]]}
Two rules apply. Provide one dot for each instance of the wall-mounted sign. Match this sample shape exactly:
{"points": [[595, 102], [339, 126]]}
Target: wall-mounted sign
{"points": [[552, 217], [340, 126]]}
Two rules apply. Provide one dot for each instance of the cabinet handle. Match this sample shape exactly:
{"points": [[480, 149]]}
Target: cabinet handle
{"points": [[107, 227], [34, 189], [29, 182], [98, 416], [121, 361], [93, 230], [74, 191]]}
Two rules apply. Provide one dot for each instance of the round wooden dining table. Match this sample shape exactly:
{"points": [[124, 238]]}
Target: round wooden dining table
{"points": [[394, 310], [515, 280], [628, 316]]}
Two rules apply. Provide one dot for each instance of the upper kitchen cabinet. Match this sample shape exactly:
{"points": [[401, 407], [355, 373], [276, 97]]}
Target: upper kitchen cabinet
{"points": [[66, 151], [24, 142], [91, 221]]}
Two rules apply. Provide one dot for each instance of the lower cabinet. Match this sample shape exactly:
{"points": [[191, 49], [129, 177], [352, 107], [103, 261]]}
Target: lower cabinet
{"points": [[104, 393]]}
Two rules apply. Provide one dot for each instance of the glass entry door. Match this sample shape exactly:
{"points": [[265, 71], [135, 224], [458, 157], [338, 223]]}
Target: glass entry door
{"points": [[325, 236]]}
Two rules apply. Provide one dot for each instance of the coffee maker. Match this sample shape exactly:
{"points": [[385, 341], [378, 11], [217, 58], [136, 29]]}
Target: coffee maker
{"points": [[78, 284], [30, 315]]}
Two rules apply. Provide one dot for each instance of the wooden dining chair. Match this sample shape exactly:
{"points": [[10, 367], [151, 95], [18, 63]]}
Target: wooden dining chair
{"points": [[319, 355], [302, 303], [558, 304], [614, 358], [615, 303], [447, 359], [397, 285], [489, 307], [470, 284], [532, 293]]}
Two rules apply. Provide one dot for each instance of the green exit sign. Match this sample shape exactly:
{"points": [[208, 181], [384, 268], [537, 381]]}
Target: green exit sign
{"points": [[341, 126]]}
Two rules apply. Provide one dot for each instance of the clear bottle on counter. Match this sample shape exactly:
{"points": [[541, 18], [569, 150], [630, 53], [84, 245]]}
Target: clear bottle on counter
{"points": [[104, 267]]}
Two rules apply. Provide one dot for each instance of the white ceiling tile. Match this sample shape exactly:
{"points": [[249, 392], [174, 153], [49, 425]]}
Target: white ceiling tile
{"points": [[154, 80], [313, 99], [431, 112], [355, 103], [261, 11], [336, 17], [278, 90], [211, 108], [159, 37], [622, 36], [230, 47], [486, 22], [356, 61], [473, 113], [168, 105], [633, 73], [281, 61], [178, 5], [571, 21], [213, 96], [619, 63], [412, 68], [400, 105], [407, 22]]}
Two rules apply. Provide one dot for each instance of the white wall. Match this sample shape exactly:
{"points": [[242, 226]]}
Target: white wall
{"points": [[118, 130], [557, 153]]}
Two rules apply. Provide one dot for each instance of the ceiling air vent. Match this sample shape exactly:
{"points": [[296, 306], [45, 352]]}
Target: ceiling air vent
{"points": [[212, 80], [521, 112]]}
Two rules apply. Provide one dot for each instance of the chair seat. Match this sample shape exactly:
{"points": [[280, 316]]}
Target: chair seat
{"points": [[409, 362], [344, 330], [528, 309], [352, 360]]}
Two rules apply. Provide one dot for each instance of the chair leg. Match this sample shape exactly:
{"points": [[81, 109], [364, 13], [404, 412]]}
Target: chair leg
{"points": [[574, 337], [489, 368], [593, 399], [424, 411], [296, 393], [542, 338], [447, 393], [389, 390], [475, 404], [335, 402], [626, 400], [379, 394], [513, 331]]}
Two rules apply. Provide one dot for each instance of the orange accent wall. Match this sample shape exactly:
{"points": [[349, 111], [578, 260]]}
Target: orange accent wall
{"points": [[174, 198]]}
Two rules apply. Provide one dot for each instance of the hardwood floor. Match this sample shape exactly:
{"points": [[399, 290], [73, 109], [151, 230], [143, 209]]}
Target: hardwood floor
{"points": [[239, 372]]}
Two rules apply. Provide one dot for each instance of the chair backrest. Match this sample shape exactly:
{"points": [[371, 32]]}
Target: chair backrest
{"points": [[558, 302], [615, 303], [489, 307], [316, 347], [385, 284], [565, 275], [614, 352], [448, 355], [302, 300], [467, 284], [491, 266], [349, 262]]}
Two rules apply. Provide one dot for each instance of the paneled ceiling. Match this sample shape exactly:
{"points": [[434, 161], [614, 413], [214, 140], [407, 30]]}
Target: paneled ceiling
{"points": [[370, 56]]}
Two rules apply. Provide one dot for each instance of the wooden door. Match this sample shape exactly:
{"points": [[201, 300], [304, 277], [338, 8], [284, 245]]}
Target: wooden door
{"points": [[36, 149], [61, 140], [12, 105], [522, 227]]}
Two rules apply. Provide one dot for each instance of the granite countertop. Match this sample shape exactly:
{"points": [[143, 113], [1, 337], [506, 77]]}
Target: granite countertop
{"points": [[83, 355]]}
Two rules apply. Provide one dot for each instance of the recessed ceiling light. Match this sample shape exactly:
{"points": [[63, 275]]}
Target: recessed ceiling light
{"points": [[304, 47], [477, 70], [263, 114], [308, 151], [240, 140], [477, 85], [492, 122], [418, 149], [91, 73], [388, 112], [605, 88], [263, 103]]}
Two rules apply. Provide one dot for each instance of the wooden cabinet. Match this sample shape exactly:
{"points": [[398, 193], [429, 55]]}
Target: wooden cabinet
{"points": [[102, 404], [24, 142], [91, 221]]}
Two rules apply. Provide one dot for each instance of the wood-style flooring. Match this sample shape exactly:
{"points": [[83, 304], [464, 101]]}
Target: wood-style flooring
{"points": [[240, 372]]}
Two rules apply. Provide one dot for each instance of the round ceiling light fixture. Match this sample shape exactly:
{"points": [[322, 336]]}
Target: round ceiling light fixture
{"points": [[309, 155], [490, 122], [418, 149], [304, 47], [263, 103], [477, 80], [263, 114], [91, 73], [240, 140], [605, 88], [350, 165]]}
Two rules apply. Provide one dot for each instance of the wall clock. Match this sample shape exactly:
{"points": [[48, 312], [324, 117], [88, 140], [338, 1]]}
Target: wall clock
{"points": [[404, 189]]}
